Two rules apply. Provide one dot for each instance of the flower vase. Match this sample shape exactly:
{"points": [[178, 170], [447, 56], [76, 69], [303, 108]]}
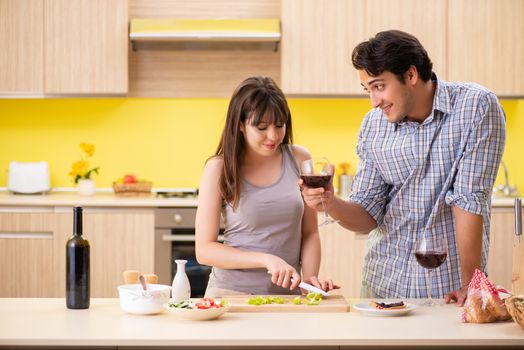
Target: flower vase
{"points": [[86, 187]]}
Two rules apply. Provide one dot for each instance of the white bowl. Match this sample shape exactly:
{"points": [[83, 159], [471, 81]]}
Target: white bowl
{"points": [[135, 300], [198, 314]]}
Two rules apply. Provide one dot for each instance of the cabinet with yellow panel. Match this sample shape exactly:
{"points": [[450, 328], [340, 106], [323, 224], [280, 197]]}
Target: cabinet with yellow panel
{"points": [[506, 255], [28, 253], [119, 238], [342, 258], [63, 47], [485, 44]]}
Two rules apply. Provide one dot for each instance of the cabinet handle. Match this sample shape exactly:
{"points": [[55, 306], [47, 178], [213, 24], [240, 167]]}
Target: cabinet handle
{"points": [[185, 238], [27, 235]]}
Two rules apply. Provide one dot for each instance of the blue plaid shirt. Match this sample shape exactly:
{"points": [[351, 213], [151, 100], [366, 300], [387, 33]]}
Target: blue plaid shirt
{"points": [[411, 174]]}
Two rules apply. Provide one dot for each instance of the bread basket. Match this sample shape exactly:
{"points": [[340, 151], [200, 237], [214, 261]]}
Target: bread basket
{"points": [[140, 189], [515, 306]]}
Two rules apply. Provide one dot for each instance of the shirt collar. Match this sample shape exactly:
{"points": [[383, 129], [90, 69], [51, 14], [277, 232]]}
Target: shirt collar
{"points": [[441, 102]]}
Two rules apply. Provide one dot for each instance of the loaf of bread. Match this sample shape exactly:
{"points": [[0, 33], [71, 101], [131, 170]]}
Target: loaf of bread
{"points": [[131, 277], [483, 302], [151, 278]]}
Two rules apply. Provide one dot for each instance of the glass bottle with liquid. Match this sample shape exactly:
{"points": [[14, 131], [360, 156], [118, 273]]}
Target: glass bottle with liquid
{"points": [[77, 266]]}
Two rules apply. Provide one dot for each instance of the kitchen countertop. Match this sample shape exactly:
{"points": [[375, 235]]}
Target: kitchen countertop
{"points": [[108, 199], [47, 322]]}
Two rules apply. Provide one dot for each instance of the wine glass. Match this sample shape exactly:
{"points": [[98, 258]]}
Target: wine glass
{"points": [[315, 173], [431, 252]]}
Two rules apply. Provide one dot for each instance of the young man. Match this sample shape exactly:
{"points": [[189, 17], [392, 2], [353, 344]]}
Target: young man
{"points": [[429, 152]]}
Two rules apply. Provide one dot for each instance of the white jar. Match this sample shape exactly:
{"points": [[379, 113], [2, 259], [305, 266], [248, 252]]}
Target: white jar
{"points": [[181, 289]]}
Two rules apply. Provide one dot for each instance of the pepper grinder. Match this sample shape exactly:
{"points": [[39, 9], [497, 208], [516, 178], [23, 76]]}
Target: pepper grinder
{"points": [[180, 289]]}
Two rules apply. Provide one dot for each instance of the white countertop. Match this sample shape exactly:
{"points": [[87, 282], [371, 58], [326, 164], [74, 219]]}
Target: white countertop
{"points": [[108, 199], [28, 322]]}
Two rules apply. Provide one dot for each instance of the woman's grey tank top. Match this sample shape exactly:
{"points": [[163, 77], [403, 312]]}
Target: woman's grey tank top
{"points": [[268, 219]]}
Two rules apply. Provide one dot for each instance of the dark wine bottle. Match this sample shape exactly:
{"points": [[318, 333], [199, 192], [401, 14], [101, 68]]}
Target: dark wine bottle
{"points": [[77, 266]]}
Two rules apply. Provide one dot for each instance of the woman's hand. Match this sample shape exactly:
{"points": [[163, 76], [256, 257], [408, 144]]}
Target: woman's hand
{"points": [[325, 285], [282, 273]]}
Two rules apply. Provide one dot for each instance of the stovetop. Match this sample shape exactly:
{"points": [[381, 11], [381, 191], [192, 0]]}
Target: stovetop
{"points": [[178, 193]]}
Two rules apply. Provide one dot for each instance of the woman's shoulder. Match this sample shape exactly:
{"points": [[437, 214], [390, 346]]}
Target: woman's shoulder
{"points": [[300, 153], [214, 164]]}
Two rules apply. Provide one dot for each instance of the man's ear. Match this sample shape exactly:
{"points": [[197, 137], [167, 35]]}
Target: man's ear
{"points": [[412, 75]]}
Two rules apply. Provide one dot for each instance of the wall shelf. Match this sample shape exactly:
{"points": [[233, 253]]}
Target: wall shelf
{"points": [[204, 30]]}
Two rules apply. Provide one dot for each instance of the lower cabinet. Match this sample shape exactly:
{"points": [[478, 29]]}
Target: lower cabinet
{"points": [[32, 248], [343, 254], [28, 259], [342, 258], [506, 255]]}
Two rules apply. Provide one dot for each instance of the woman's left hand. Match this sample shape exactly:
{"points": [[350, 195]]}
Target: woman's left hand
{"points": [[325, 285]]}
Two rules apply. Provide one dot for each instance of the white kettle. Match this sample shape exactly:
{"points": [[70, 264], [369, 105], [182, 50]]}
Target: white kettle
{"points": [[28, 177]]}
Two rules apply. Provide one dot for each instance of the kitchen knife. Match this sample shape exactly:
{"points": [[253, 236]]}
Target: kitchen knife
{"points": [[311, 288]]}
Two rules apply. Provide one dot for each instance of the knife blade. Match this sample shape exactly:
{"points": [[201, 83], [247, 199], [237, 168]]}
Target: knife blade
{"points": [[311, 288]]}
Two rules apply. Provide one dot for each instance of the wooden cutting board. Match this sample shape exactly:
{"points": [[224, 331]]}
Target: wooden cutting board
{"points": [[332, 303]]}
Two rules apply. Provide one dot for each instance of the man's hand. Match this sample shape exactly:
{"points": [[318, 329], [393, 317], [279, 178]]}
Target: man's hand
{"points": [[313, 197], [459, 296]]}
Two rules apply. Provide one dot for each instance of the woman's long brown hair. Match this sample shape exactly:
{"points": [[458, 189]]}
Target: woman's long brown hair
{"points": [[254, 99]]}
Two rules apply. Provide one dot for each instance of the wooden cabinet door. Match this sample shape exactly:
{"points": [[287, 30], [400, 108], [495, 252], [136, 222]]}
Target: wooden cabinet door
{"points": [[318, 37], [86, 45], [120, 239], [21, 47], [28, 259], [342, 257], [426, 20], [506, 254], [486, 44]]}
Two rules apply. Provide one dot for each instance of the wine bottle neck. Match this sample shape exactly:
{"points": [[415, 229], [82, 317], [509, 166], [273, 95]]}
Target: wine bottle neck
{"points": [[77, 221]]}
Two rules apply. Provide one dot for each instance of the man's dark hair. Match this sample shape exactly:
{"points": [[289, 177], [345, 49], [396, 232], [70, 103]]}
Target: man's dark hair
{"points": [[394, 51]]}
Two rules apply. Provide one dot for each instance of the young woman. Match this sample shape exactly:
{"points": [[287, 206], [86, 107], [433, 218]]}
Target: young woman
{"points": [[271, 240]]}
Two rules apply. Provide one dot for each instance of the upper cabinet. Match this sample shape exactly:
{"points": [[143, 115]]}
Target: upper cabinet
{"points": [[21, 46], [86, 46], [319, 36], [317, 39], [467, 40], [63, 47], [486, 44]]}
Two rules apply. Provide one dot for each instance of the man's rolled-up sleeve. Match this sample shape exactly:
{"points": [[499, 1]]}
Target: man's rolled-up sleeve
{"points": [[478, 166]]}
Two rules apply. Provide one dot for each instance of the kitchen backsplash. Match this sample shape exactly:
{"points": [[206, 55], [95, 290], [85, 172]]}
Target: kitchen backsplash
{"points": [[168, 140]]}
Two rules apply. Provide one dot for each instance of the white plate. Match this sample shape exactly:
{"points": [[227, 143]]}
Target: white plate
{"points": [[369, 310], [198, 314]]}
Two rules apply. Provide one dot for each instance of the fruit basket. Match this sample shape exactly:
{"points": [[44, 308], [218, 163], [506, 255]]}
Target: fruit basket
{"points": [[139, 189], [515, 306]]}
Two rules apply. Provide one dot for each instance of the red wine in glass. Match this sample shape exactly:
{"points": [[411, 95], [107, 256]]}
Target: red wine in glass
{"points": [[431, 259], [316, 181], [316, 173]]}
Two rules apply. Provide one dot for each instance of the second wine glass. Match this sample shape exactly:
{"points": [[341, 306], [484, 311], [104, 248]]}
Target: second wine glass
{"points": [[430, 253], [315, 173]]}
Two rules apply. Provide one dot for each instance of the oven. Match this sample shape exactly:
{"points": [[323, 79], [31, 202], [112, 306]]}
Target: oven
{"points": [[175, 239]]}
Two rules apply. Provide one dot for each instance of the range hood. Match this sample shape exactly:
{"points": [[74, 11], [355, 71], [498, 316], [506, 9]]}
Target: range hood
{"points": [[220, 30]]}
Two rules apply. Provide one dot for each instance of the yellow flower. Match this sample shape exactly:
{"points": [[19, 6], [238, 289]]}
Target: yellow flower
{"points": [[343, 168], [88, 148], [80, 169]]}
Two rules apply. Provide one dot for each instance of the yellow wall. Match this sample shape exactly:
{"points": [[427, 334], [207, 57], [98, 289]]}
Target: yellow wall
{"points": [[167, 140]]}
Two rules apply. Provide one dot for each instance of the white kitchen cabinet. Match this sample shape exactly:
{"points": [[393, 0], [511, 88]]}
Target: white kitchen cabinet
{"points": [[63, 47]]}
